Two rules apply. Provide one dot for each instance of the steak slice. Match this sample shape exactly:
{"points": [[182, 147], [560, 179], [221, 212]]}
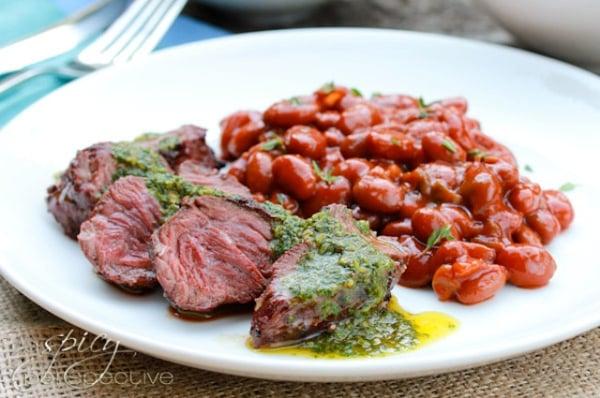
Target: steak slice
{"points": [[115, 238], [80, 187], [188, 142], [248, 226], [199, 264], [73, 197], [338, 272], [196, 173]]}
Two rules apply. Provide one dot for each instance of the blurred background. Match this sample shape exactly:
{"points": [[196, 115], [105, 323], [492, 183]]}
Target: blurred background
{"points": [[564, 29]]}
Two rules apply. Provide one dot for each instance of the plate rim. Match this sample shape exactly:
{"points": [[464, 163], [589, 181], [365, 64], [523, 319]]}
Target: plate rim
{"points": [[233, 364]]}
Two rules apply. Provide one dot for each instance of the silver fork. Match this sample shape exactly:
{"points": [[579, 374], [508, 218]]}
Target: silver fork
{"points": [[136, 32]]}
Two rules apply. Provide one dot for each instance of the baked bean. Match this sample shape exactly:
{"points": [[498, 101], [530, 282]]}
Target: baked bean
{"points": [[418, 273], [427, 219], [413, 201], [259, 174], [290, 112], [528, 265], [452, 251], [295, 176], [333, 156], [507, 173], [470, 282], [334, 137], [239, 132], [438, 146], [355, 145], [480, 188], [305, 141], [525, 197], [398, 228], [386, 143], [459, 217], [544, 223], [560, 206], [378, 195], [409, 169], [329, 96], [352, 169], [526, 235], [359, 116], [336, 191], [327, 119]]}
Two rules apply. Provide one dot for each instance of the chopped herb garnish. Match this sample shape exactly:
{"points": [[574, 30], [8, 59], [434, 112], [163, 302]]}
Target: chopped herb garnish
{"points": [[295, 101], [328, 87], [376, 94], [271, 144], [394, 141], [324, 175], [449, 145], [438, 235], [356, 92], [528, 168], [422, 108], [566, 187], [477, 153]]}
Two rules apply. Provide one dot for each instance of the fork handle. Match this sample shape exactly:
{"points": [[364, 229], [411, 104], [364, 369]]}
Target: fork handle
{"points": [[14, 80]]}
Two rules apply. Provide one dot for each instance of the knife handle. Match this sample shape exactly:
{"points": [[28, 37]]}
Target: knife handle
{"points": [[16, 79]]}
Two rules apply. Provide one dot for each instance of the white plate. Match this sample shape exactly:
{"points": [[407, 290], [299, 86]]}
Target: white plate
{"points": [[548, 112]]}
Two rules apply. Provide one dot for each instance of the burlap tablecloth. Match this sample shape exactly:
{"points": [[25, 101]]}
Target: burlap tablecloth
{"points": [[29, 369]]}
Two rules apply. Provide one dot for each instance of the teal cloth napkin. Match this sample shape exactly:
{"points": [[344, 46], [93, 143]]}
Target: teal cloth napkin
{"points": [[19, 18]]}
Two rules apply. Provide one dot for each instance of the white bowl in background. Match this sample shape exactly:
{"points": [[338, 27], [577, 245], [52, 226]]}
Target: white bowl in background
{"points": [[266, 11], [568, 29]]}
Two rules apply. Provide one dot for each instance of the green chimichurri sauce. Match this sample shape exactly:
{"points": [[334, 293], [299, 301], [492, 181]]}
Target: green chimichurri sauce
{"points": [[167, 188], [380, 332], [377, 332], [341, 267]]}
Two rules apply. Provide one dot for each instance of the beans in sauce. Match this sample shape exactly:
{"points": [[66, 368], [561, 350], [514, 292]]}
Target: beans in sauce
{"points": [[412, 170]]}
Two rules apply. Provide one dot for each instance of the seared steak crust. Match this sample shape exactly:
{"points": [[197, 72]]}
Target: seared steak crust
{"points": [[73, 197], [281, 319]]}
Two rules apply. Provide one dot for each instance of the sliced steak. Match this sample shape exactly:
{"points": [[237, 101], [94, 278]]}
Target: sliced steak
{"points": [[73, 197], [248, 226], [199, 264], [115, 238], [313, 286], [188, 142], [80, 187], [199, 174]]}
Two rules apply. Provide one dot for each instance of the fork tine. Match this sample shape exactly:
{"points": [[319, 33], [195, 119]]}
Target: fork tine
{"points": [[152, 8], [90, 53], [152, 32]]}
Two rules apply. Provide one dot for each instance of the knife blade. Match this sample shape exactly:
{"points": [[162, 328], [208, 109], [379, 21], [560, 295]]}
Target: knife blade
{"points": [[60, 38]]}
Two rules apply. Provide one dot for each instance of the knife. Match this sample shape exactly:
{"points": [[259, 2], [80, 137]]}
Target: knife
{"points": [[60, 38]]}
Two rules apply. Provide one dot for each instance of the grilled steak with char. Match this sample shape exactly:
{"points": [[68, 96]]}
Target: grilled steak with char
{"points": [[115, 238], [73, 197], [211, 253], [287, 312]]}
